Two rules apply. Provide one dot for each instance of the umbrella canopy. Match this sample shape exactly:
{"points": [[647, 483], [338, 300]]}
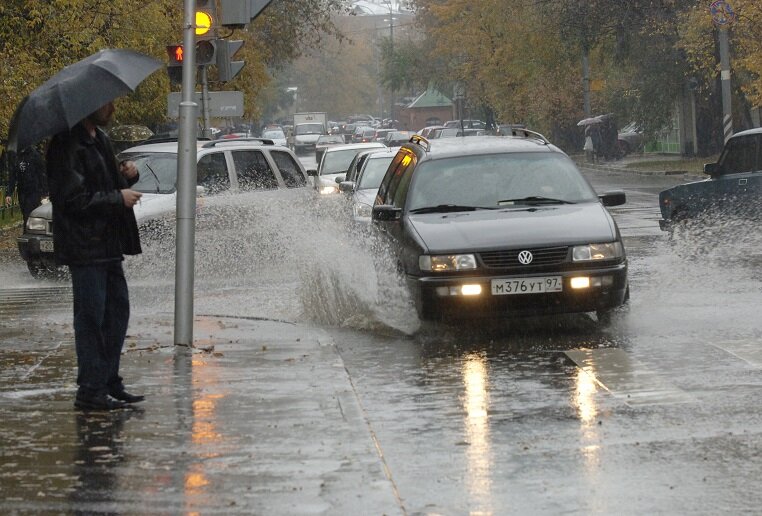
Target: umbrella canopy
{"points": [[589, 121], [75, 92]]}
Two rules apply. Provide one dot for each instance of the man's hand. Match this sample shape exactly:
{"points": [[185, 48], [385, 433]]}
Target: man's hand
{"points": [[130, 197], [8, 200], [128, 169]]}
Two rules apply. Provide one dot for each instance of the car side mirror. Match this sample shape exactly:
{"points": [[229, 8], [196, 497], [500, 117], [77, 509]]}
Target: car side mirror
{"points": [[339, 179], [613, 198], [312, 172], [710, 169], [347, 186], [386, 213]]}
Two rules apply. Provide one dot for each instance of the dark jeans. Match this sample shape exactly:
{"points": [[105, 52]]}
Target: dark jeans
{"points": [[101, 313]]}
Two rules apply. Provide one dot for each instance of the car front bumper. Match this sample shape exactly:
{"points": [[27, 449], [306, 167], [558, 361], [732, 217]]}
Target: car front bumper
{"points": [[36, 249], [434, 298]]}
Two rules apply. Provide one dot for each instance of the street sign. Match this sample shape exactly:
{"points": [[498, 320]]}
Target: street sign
{"points": [[722, 14], [221, 103]]}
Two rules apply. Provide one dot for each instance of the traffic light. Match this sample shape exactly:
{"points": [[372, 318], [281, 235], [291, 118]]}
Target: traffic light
{"points": [[176, 55], [206, 19], [227, 69], [237, 13], [205, 52]]}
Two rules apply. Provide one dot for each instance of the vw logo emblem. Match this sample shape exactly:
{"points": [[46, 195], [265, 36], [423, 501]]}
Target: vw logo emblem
{"points": [[525, 257]]}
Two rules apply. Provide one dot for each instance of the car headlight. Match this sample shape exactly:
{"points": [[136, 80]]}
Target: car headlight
{"points": [[447, 263], [592, 252], [327, 190], [362, 210], [36, 225]]}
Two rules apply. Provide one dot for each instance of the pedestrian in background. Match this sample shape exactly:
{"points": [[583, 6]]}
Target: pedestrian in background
{"points": [[94, 227], [26, 175]]}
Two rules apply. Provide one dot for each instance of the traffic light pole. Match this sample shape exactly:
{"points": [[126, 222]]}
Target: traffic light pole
{"points": [[186, 186]]}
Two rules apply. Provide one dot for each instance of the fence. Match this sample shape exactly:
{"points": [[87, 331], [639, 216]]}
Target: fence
{"points": [[10, 213]]}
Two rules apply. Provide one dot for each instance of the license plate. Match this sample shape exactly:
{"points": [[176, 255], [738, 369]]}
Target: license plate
{"points": [[536, 285], [46, 246]]}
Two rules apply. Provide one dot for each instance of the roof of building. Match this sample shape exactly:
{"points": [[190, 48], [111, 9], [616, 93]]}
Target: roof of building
{"points": [[430, 98]]}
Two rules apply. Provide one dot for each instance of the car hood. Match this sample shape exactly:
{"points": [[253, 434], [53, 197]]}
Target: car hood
{"points": [[538, 226], [153, 205], [150, 205], [307, 138]]}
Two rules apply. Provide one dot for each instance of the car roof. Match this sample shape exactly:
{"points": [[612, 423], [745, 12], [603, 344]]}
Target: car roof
{"points": [[756, 130], [382, 153], [171, 147], [460, 146], [368, 145]]}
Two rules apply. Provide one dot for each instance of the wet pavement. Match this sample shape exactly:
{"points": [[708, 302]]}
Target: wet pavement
{"points": [[260, 418], [307, 393]]}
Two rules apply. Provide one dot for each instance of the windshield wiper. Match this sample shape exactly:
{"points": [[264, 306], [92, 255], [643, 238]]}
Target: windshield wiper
{"points": [[158, 183], [534, 199], [442, 208]]}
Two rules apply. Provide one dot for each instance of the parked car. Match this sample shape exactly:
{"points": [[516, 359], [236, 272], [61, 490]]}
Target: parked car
{"points": [[325, 141], [732, 189], [500, 227], [630, 139], [362, 187], [381, 134], [426, 131], [223, 166], [470, 124], [335, 163]]}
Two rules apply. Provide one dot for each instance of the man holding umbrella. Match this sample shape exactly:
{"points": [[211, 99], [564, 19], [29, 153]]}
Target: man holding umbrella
{"points": [[92, 207], [95, 227]]}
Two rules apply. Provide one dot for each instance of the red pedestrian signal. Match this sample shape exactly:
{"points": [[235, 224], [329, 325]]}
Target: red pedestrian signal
{"points": [[176, 54]]}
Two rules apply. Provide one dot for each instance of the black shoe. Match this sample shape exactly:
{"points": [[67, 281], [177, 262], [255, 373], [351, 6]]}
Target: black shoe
{"points": [[98, 402], [127, 397]]}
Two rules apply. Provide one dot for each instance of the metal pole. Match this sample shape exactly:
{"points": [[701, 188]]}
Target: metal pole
{"points": [[186, 186], [586, 82], [694, 132], [391, 46], [727, 113], [205, 100]]}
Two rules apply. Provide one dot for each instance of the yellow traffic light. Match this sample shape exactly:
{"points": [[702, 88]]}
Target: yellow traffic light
{"points": [[204, 22]]}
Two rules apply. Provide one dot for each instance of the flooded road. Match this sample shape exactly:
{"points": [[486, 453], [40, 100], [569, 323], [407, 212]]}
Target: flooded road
{"points": [[655, 413]]}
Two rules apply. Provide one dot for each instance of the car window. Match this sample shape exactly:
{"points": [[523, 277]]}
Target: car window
{"points": [[308, 129], [402, 166], [494, 180], [742, 154], [337, 162], [289, 169], [212, 173], [278, 135], [253, 171], [373, 172], [158, 171]]}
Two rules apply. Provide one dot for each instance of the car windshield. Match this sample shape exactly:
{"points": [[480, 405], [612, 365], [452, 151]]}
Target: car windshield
{"points": [[275, 135], [158, 171], [498, 180], [331, 139], [337, 162], [374, 172], [308, 129]]}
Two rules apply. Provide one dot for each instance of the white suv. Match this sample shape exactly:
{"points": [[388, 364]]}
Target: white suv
{"points": [[232, 165]]}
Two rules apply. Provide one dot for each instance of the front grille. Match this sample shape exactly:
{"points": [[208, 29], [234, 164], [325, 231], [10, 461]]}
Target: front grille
{"points": [[509, 259]]}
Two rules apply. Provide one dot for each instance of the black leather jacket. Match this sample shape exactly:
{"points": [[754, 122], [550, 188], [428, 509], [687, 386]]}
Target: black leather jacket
{"points": [[90, 222]]}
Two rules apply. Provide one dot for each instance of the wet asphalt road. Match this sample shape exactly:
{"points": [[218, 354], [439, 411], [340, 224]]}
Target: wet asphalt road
{"points": [[655, 414]]}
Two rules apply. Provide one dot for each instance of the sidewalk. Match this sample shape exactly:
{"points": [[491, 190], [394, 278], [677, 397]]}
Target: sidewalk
{"points": [[260, 418], [628, 165]]}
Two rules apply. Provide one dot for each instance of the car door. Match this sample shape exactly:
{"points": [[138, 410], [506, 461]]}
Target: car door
{"points": [[291, 172], [213, 174], [253, 171], [740, 182]]}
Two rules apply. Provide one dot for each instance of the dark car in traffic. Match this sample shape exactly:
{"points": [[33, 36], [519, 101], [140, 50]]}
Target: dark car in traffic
{"points": [[500, 227], [732, 189]]}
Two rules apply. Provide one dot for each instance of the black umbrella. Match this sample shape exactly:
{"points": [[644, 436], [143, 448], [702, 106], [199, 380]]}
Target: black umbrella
{"points": [[75, 92]]}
